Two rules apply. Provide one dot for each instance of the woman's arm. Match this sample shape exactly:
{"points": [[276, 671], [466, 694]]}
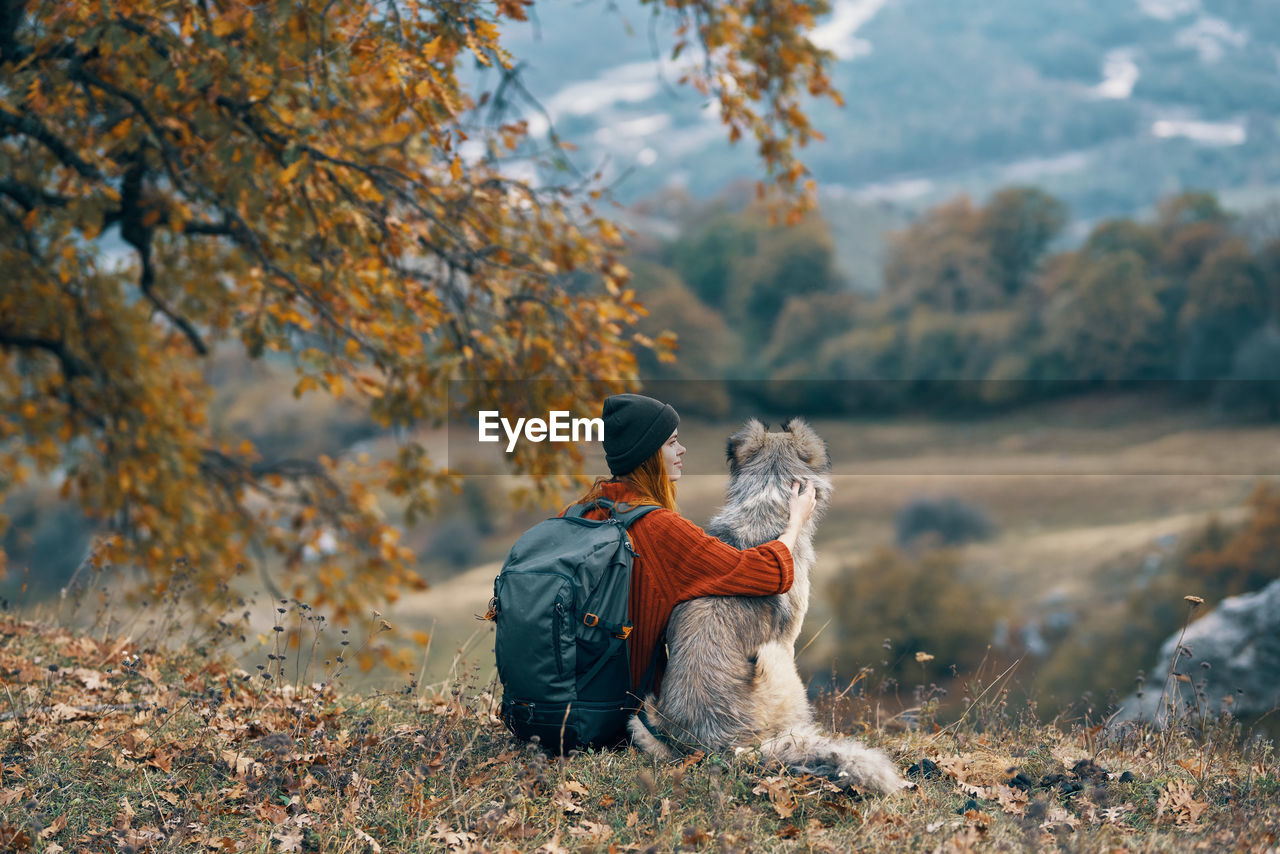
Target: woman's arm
{"points": [[803, 500], [692, 563]]}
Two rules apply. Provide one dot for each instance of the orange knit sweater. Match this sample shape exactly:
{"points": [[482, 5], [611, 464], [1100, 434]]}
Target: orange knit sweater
{"points": [[675, 561]]}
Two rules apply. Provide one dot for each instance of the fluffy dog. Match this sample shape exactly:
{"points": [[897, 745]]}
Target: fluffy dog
{"points": [[731, 678]]}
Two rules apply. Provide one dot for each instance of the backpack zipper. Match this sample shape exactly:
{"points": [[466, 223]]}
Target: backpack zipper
{"points": [[555, 635]]}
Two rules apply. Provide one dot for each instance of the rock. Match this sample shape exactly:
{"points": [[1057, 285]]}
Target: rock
{"points": [[1234, 653], [924, 769], [1020, 780]]}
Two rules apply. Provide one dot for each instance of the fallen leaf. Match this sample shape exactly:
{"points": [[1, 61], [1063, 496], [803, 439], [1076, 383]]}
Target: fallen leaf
{"points": [[1011, 800], [289, 840], [274, 813], [1178, 798], [784, 803], [564, 797], [11, 796], [61, 712], [553, 847], [55, 827], [368, 840], [452, 838], [591, 831]]}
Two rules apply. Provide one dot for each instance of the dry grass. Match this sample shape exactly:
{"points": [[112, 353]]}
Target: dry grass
{"points": [[110, 745]]}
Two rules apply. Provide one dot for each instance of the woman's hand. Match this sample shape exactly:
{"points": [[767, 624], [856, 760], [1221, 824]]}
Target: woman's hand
{"points": [[804, 498]]}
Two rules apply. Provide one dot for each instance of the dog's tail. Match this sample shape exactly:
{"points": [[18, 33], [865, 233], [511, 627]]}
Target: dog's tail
{"points": [[645, 735], [843, 760]]}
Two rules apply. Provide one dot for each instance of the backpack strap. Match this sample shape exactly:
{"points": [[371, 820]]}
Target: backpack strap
{"points": [[624, 513], [624, 517]]}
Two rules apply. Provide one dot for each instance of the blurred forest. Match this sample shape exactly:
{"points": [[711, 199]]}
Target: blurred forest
{"points": [[980, 308]]}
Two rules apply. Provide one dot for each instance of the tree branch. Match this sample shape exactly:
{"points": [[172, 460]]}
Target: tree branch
{"points": [[138, 236], [28, 126], [10, 16], [72, 366], [30, 197]]}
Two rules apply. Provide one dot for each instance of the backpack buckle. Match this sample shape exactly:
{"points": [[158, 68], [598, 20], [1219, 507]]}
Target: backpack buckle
{"points": [[591, 620], [624, 634]]}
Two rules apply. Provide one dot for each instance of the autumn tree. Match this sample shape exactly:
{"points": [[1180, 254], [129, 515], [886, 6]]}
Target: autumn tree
{"points": [[705, 346], [292, 179], [1019, 223], [1226, 299], [1107, 324], [944, 261]]}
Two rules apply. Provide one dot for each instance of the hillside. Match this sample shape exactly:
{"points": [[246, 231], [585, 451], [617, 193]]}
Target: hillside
{"points": [[1107, 105], [125, 745]]}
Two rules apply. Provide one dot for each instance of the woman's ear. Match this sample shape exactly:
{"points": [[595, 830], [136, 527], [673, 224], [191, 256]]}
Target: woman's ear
{"points": [[743, 445]]}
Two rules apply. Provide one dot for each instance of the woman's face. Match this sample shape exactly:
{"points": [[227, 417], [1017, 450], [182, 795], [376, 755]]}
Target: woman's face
{"points": [[672, 452]]}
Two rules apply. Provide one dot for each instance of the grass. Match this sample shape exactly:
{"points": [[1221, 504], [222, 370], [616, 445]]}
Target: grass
{"points": [[109, 744]]}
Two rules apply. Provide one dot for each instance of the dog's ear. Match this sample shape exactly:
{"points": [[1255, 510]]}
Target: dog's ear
{"points": [[743, 444], [808, 444]]}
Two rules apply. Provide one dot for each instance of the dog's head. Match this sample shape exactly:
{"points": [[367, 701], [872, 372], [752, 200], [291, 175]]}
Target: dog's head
{"points": [[796, 452]]}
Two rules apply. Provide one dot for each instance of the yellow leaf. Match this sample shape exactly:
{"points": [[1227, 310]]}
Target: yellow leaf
{"points": [[290, 171], [455, 168]]}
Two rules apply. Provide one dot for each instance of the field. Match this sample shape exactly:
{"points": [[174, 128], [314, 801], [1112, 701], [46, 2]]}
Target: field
{"points": [[1073, 488]]}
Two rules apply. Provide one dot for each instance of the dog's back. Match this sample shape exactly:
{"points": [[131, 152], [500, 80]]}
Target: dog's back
{"points": [[711, 690]]}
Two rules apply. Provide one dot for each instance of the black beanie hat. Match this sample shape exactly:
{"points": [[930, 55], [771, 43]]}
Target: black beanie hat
{"points": [[635, 427]]}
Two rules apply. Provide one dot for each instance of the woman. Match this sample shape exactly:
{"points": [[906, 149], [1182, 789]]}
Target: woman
{"points": [[675, 560]]}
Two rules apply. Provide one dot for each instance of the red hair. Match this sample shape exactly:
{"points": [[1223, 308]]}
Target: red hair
{"points": [[649, 480]]}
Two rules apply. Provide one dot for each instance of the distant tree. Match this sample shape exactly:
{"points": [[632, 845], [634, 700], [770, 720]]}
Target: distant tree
{"points": [[1178, 211], [806, 321], [705, 257], [867, 366], [1019, 223], [1119, 235], [1226, 300], [797, 379], [692, 378], [291, 178], [1108, 323], [786, 263], [953, 351], [943, 261], [1249, 558]]}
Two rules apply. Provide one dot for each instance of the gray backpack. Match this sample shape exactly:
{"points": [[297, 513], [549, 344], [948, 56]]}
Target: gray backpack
{"points": [[560, 605]]}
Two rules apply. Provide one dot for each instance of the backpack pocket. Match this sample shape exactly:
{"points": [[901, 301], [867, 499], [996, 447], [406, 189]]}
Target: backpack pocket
{"points": [[561, 727], [613, 678], [534, 641]]}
